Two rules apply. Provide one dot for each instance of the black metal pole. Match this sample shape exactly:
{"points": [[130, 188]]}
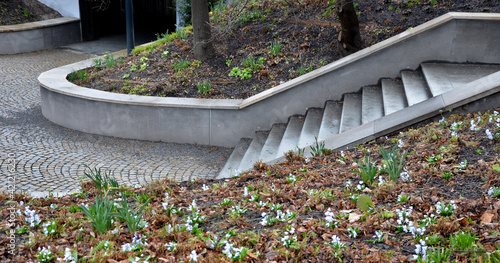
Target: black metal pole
{"points": [[129, 14]]}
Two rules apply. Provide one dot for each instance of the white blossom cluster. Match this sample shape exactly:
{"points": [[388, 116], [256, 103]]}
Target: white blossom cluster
{"points": [[45, 254], [49, 228], [193, 257], [494, 191], [68, 257], [329, 218], [420, 251], [138, 241], [289, 238], [445, 210], [30, 217], [405, 177], [406, 225], [280, 217], [232, 252], [171, 246]]}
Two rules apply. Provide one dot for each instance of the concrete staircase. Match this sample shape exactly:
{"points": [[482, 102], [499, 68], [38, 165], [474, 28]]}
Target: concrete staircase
{"points": [[371, 103]]}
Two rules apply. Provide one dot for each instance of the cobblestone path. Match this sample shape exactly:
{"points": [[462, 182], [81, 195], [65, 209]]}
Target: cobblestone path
{"points": [[50, 158]]}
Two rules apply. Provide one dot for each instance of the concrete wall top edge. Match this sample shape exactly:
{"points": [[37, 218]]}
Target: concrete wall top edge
{"points": [[55, 80], [38, 24]]}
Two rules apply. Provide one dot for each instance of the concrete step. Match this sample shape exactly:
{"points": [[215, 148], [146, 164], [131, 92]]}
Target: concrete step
{"points": [[311, 127], [351, 112], [291, 135], [415, 86], [232, 164], [443, 77], [372, 106], [253, 152], [330, 123], [270, 148], [394, 96]]}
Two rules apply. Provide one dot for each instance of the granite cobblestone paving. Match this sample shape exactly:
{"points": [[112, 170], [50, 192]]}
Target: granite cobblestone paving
{"points": [[51, 158]]}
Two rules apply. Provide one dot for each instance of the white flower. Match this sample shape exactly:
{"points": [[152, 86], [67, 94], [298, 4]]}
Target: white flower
{"points": [[405, 177], [488, 133], [171, 246], [380, 180], [193, 256], [126, 247], [491, 191], [401, 144], [137, 186], [67, 256], [237, 173], [193, 206], [348, 183], [307, 160], [205, 187]]}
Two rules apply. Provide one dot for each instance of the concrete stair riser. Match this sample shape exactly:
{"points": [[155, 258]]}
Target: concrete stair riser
{"points": [[361, 116]]}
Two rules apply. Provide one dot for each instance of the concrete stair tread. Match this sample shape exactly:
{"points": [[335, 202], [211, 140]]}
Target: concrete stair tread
{"points": [[253, 151], [372, 105], [443, 77], [415, 86], [330, 124], [311, 127], [351, 112], [234, 159], [270, 148], [291, 135], [394, 96]]}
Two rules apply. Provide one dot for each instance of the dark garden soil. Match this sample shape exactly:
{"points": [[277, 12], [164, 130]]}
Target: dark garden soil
{"points": [[24, 11], [307, 32], [457, 168]]}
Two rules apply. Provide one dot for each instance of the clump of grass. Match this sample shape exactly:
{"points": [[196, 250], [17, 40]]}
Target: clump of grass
{"points": [[204, 87], [275, 49], [181, 64]]}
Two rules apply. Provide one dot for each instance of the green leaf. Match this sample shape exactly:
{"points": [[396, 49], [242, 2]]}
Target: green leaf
{"points": [[496, 167], [364, 202]]}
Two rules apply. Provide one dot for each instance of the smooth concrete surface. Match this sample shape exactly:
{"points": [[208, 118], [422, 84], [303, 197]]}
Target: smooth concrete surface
{"points": [[372, 106], [416, 88], [351, 112], [291, 135], [311, 127], [330, 124], [479, 95], [29, 37], [393, 95], [270, 148], [254, 149], [64, 7], [457, 37], [456, 75], [234, 159]]}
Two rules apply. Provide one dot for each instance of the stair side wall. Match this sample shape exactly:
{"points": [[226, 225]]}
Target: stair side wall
{"points": [[455, 37]]}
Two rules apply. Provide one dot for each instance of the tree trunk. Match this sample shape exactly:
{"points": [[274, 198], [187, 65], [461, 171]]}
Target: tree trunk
{"points": [[349, 37], [202, 42]]}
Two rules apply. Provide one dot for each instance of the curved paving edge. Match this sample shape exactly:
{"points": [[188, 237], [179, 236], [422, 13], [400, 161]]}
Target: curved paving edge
{"points": [[457, 37], [49, 157], [40, 35]]}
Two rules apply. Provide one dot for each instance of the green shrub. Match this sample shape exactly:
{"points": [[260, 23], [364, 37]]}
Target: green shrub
{"points": [[100, 214], [368, 171], [393, 161]]}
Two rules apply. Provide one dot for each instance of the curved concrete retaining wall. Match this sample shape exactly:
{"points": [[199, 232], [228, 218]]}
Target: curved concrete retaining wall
{"points": [[455, 37], [29, 37]]}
